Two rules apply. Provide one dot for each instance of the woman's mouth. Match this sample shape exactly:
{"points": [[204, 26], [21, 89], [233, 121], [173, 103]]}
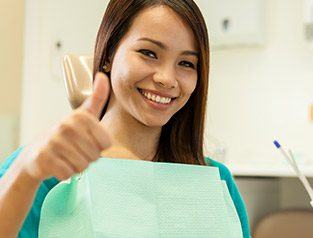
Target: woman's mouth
{"points": [[156, 101]]}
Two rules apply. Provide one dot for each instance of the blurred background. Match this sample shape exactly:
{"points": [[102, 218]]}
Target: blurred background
{"points": [[261, 85]]}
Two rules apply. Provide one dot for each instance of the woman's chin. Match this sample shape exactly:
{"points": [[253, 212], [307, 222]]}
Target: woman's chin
{"points": [[154, 122]]}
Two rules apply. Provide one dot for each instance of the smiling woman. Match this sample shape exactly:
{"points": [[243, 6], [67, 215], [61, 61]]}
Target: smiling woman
{"points": [[162, 48], [151, 65]]}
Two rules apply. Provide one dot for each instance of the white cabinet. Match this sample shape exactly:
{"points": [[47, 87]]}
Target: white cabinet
{"points": [[308, 22], [233, 23]]}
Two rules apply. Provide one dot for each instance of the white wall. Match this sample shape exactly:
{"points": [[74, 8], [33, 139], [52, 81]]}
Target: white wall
{"points": [[261, 94], [74, 23], [11, 55]]}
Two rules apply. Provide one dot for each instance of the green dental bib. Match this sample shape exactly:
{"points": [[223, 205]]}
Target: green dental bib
{"points": [[131, 198]]}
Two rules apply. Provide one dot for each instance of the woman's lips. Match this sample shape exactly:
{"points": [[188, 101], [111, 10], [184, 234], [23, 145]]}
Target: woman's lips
{"points": [[156, 105], [161, 94]]}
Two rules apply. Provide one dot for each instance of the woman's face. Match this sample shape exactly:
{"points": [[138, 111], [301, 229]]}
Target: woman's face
{"points": [[154, 68]]}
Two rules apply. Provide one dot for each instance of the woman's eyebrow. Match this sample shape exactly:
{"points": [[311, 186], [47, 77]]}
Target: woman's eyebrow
{"points": [[163, 46]]}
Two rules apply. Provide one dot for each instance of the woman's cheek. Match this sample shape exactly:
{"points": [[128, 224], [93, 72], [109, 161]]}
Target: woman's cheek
{"points": [[188, 85], [140, 70]]}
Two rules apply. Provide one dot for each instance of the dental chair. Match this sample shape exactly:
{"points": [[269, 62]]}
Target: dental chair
{"points": [[78, 77], [295, 223]]}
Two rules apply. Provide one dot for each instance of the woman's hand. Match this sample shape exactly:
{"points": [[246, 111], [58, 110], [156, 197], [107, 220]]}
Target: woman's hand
{"points": [[74, 143]]}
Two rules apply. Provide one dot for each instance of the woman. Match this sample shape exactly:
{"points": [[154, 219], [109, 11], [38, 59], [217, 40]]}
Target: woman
{"points": [[151, 64]]}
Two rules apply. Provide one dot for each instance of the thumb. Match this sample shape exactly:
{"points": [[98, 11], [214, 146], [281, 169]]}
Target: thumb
{"points": [[96, 101]]}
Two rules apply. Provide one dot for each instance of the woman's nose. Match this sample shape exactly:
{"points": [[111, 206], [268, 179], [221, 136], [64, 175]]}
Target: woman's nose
{"points": [[166, 78]]}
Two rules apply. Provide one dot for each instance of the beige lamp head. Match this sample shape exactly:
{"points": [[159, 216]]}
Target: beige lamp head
{"points": [[78, 78]]}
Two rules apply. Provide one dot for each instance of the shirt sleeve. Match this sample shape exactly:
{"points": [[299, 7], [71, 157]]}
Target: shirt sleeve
{"points": [[31, 223], [235, 195], [8, 161]]}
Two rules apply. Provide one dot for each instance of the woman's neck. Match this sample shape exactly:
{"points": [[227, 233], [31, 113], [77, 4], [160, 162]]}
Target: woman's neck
{"points": [[130, 138]]}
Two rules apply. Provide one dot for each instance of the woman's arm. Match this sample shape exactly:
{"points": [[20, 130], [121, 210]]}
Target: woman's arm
{"points": [[17, 192], [66, 149]]}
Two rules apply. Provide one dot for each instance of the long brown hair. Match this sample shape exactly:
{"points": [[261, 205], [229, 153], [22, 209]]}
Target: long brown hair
{"points": [[181, 139]]}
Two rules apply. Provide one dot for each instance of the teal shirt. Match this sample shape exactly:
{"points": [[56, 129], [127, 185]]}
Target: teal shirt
{"points": [[31, 223]]}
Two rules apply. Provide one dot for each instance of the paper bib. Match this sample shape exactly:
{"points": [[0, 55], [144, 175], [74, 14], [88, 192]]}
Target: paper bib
{"points": [[130, 198]]}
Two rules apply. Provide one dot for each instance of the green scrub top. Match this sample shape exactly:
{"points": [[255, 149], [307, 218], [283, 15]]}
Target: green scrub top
{"points": [[31, 223]]}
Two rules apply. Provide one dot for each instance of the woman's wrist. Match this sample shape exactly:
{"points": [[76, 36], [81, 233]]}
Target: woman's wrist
{"points": [[21, 178]]}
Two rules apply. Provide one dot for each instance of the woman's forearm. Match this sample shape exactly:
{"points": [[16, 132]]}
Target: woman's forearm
{"points": [[17, 192]]}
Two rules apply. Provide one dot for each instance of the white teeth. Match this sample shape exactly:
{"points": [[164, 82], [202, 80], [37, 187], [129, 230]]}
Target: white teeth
{"points": [[148, 95], [156, 98]]}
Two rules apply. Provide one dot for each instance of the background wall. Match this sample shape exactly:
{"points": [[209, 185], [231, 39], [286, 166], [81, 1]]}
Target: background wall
{"points": [[258, 94], [53, 30], [11, 59], [263, 93]]}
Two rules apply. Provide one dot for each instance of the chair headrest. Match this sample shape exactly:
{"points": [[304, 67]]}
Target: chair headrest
{"points": [[77, 71]]}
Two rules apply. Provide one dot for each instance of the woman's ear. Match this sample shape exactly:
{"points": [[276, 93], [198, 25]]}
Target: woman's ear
{"points": [[107, 67]]}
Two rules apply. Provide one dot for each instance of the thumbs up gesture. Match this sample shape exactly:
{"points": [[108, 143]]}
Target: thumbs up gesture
{"points": [[74, 143], [95, 103]]}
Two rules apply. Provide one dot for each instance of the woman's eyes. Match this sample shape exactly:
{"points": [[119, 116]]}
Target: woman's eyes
{"points": [[151, 54], [148, 53], [187, 64]]}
